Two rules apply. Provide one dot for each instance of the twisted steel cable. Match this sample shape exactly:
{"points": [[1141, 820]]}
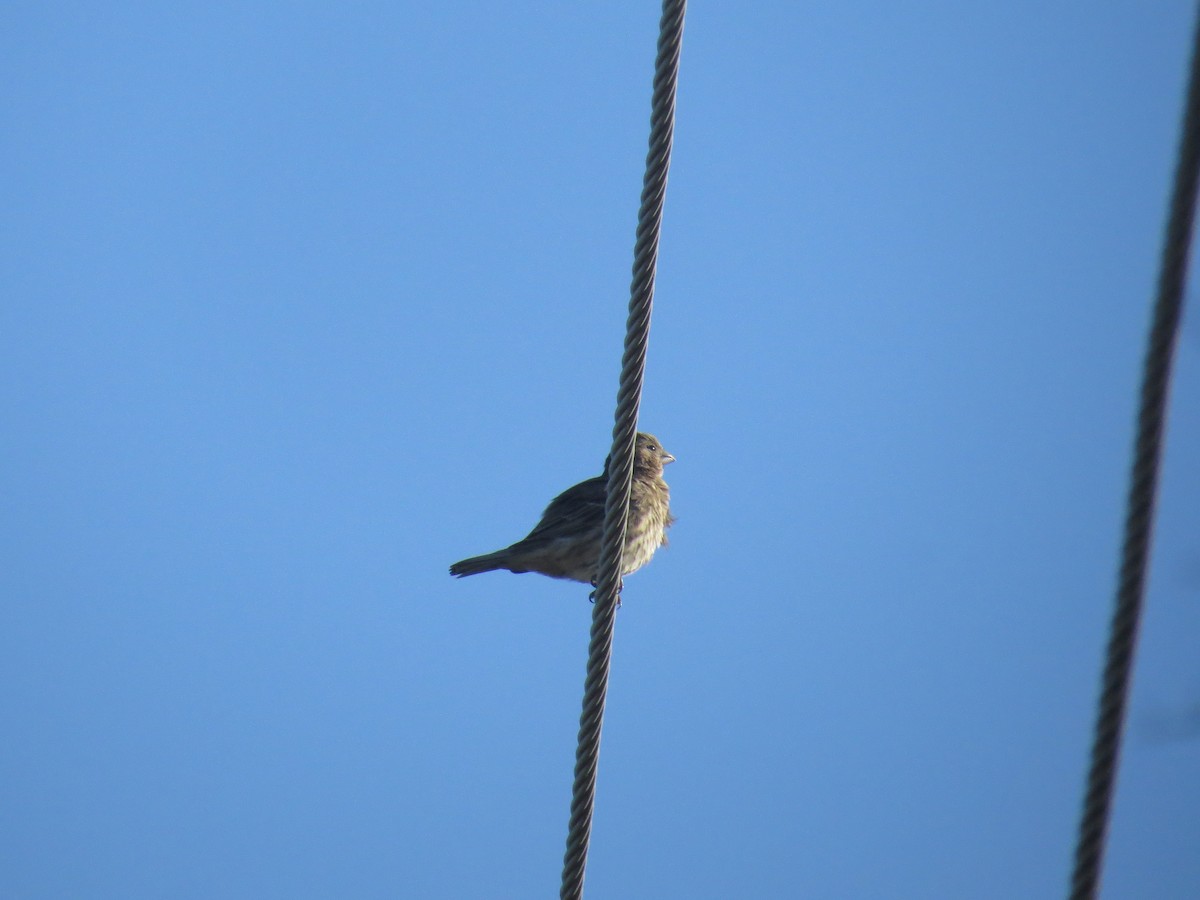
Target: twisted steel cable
{"points": [[1139, 517], [620, 473]]}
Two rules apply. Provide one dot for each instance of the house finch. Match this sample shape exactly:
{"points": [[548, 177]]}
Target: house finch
{"points": [[566, 542]]}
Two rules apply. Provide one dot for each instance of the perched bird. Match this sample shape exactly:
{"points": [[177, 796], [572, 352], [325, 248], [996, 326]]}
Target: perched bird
{"points": [[566, 542]]}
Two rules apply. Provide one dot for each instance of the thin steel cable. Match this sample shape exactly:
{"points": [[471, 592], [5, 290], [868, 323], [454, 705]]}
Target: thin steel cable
{"points": [[1143, 486], [620, 473]]}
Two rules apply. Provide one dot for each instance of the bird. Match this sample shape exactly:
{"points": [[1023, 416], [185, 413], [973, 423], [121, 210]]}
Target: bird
{"points": [[566, 542]]}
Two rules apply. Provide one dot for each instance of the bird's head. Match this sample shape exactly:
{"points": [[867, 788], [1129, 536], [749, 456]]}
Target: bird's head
{"points": [[649, 455]]}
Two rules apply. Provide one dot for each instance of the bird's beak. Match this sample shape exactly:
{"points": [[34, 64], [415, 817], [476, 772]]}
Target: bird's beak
{"points": [[667, 458]]}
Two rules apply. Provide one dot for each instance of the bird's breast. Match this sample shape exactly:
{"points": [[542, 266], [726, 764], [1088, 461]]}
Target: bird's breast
{"points": [[649, 516]]}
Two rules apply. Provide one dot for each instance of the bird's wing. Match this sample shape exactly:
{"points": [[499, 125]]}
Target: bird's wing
{"points": [[573, 513]]}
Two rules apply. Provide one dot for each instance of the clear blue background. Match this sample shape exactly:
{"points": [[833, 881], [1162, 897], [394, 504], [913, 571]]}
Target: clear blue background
{"points": [[304, 302]]}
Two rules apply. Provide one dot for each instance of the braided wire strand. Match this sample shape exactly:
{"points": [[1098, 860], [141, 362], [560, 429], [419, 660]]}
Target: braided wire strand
{"points": [[1143, 486], [620, 473]]}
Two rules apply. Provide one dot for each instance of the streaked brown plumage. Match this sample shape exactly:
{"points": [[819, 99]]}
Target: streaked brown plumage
{"points": [[566, 542]]}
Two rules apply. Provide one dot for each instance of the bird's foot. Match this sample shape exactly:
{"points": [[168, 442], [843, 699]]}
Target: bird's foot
{"points": [[592, 595]]}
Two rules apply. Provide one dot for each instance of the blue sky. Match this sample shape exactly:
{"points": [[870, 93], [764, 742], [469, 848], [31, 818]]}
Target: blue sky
{"points": [[306, 302]]}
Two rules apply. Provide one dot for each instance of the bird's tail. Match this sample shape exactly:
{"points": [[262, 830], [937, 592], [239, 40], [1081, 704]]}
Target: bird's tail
{"points": [[489, 562]]}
